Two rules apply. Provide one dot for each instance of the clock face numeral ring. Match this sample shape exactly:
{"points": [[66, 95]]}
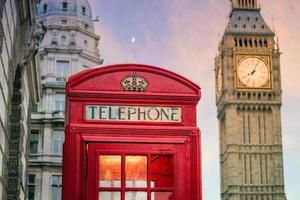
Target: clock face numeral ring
{"points": [[253, 72]]}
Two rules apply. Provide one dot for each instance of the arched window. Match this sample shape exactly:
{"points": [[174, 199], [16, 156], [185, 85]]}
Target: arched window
{"points": [[63, 38], [45, 7], [260, 43], [250, 42], [255, 43], [245, 43], [83, 10], [240, 42]]}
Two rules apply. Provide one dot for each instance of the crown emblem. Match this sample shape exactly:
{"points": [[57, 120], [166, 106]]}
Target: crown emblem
{"points": [[134, 83]]}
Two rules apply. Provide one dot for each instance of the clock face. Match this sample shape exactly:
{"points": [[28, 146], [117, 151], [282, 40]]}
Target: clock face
{"points": [[253, 72], [219, 81]]}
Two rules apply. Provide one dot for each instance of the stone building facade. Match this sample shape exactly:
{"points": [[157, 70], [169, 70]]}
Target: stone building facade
{"points": [[19, 90], [249, 98], [70, 45]]}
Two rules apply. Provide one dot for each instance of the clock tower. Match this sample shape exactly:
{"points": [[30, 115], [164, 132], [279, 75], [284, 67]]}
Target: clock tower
{"points": [[249, 98]]}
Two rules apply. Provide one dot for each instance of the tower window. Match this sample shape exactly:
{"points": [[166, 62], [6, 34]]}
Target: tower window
{"points": [[244, 26], [239, 18], [85, 43], [241, 43], [263, 26], [64, 6], [265, 43], [250, 42], [255, 43], [83, 10], [235, 26], [256, 19], [248, 19], [245, 42], [45, 7], [254, 26]]}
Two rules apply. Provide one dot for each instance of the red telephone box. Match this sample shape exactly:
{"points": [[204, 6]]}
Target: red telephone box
{"points": [[131, 135]]}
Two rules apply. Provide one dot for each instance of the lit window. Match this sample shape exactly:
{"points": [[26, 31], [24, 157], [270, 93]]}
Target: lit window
{"points": [[62, 69], [34, 142], [83, 10], [59, 102], [57, 142], [31, 186], [65, 6], [56, 187]]}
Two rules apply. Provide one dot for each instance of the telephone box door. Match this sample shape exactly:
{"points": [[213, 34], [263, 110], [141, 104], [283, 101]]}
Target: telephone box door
{"points": [[132, 171]]}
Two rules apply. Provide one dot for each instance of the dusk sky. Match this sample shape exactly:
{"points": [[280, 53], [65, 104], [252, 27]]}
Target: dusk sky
{"points": [[183, 36]]}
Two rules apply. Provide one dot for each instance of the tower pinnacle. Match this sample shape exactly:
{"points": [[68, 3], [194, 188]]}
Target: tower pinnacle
{"points": [[244, 4]]}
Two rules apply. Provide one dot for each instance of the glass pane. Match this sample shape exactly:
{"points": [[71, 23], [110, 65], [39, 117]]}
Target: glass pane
{"points": [[162, 171], [109, 195], [162, 196], [136, 196], [110, 171], [136, 171]]}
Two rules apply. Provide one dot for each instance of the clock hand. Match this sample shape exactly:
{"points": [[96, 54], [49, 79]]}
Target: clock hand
{"points": [[254, 70]]}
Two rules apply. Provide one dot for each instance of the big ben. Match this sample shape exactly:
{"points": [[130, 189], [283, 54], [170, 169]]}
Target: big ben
{"points": [[249, 99]]}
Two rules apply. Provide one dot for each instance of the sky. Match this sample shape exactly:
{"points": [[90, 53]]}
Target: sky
{"points": [[183, 36]]}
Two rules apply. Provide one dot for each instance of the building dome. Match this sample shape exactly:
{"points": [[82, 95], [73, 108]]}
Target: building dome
{"points": [[74, 8]]}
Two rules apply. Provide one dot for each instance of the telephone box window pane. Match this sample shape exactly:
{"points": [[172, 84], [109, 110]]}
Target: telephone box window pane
{"points": [[162, 171], [136, 196], [162, 196], [109, 195], [110, 171], [136, 171]]}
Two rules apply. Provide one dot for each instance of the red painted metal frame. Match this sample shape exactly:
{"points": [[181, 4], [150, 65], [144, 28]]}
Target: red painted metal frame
{"points": [[102, 86]]}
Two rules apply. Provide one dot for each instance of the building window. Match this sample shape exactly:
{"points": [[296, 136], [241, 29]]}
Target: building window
{"points": [[62, 69], [57, 142], [56, 187], [34, 142], [64, 6], [45, 7], [63, 38], [85, 43], [83, 10], [59, 102], [64, 21], [31, 186]]}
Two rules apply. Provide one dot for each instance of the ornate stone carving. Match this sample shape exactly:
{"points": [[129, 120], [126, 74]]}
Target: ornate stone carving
{"points": [[134, 83], [13, 166], [36, 35]]}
